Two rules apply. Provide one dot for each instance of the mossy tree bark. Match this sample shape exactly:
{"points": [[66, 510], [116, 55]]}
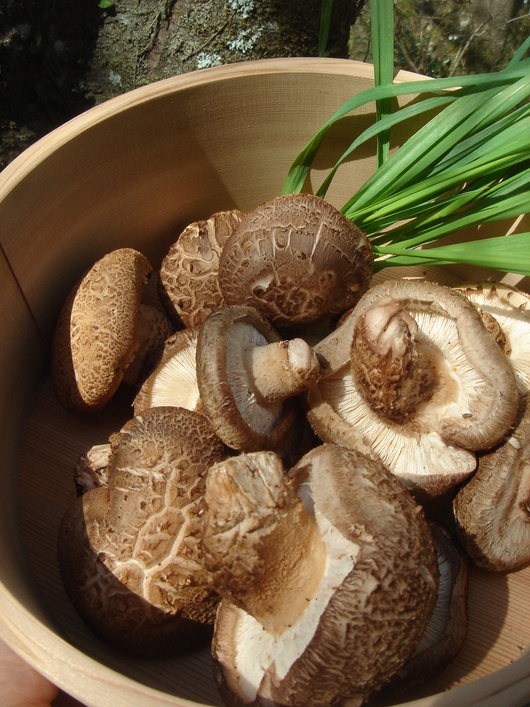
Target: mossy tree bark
{"points": [[59, 57]]}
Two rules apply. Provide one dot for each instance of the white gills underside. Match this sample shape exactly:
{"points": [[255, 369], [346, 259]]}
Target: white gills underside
{"points": [[473, 403]]}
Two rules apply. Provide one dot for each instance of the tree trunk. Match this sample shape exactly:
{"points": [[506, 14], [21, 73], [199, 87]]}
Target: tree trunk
{"points": [[59, 57], [141, 42]]}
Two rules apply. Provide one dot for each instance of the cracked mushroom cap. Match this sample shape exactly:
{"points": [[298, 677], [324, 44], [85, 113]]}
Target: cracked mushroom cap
{"points": [[297, 259], [127, 549], [492, 511], [425, 429], [173, 383], [96, 336], [328, 577], [188, 283], [248, 377]]}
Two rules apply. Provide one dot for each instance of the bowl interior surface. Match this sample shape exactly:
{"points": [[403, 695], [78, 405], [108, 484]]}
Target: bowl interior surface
{"points": [[134, 172]]}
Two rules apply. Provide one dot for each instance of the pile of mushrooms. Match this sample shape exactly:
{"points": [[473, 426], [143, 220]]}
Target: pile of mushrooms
{"points": [[291, 425]]}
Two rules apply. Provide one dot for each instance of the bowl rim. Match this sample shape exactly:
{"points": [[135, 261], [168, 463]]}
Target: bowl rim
{"points": [[37, 643]]}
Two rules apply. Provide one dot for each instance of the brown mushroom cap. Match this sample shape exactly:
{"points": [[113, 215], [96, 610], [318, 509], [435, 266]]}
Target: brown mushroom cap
{"points": [[492, 511], [471, 408], [360, 616], [127, 550], [297, 259], [96, 335], [247, 376], [188, 283], [447, 629]]}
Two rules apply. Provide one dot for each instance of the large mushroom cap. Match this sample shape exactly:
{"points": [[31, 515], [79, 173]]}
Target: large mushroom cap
{"points": [[127, 550], [468, 402], [371, 577], [96, 335], [297, 259]]}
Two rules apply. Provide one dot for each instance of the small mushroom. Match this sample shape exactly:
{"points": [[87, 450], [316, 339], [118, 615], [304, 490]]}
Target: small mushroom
{"points": [[452, 394], [492, 511], [328, 577], [247, 375], [96, 336], [188, 283], [173, 382], [127, 549], [297, 259]]}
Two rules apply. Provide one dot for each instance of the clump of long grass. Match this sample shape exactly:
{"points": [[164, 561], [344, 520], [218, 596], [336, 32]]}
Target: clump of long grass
{"points": [[468, 165]]}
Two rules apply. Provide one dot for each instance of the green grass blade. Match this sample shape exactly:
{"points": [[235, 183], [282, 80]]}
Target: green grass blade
{"points": [[325, 23], [382, 20], [302, 163], [402, 115], [506, 253]]}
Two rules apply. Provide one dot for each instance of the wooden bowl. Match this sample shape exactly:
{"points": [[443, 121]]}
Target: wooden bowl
{"points": [[133, 172]]}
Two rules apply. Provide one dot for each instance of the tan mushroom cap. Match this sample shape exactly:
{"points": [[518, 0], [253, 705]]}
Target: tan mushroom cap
{"points": [[349, 527], [247, 377], [492, 511], [471, 408], [297, 259], [188, 283], [127, 550], [173, 382], [96, 335]]}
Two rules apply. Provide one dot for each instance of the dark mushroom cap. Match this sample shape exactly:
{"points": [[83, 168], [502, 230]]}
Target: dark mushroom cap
{"points": [[492, 511], [127, 565], [380, 586], [297, 259]]}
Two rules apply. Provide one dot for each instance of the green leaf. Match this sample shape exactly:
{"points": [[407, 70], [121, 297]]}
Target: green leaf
{"points": [[505, 253], [106, 4], [325, 23], [382, 18]]}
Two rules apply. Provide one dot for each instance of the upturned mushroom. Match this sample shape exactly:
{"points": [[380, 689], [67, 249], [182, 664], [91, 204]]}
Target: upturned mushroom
{"points": [[492, 511], [188, 283], [248, 376], [507, 309], [127, 549], [173, 381], [328, 577], [297, 259], [413, 377], [96, 336]]}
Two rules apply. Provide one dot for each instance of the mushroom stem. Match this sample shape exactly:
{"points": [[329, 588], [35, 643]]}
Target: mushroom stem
{"points": [[282, 369], [393, 372], [261, 546]]}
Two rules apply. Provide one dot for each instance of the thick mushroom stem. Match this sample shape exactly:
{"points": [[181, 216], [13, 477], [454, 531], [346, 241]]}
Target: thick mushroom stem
{"points": [[393, 373], [282, 369], [260, 545]]}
